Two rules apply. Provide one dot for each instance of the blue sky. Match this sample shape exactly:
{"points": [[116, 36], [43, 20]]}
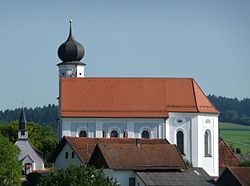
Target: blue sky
{"points": [[206, 40]]}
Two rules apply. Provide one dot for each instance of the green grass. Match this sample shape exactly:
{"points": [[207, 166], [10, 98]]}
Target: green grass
{"points": [[236, 135]]}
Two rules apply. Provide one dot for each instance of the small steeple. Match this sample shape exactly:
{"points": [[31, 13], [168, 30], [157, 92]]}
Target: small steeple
{"points": [[71, 51], [22, 120], [23, 132]]}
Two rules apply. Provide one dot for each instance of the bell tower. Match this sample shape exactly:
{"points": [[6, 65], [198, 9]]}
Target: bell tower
{"points": [[23, 132], [71, 52]]}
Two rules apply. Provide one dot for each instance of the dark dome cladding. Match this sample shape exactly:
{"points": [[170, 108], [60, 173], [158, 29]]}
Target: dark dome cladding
{"points": [[71, 50]]}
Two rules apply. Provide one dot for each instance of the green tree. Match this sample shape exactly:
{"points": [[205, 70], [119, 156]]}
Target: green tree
{"points": [[77, 176], [10, 166]]}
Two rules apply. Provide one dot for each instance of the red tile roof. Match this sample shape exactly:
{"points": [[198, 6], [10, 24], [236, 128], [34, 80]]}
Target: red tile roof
{"points": [[84, 147], [153, 156], [242, 174], [235, 176], [131, 97], [226, 156]]}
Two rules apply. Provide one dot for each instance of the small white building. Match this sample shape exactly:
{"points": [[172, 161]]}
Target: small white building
{"points": [[30, 157], [154, 108]]}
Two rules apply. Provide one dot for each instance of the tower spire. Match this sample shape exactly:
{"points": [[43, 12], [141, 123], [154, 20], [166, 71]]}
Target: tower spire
{"points": [[22, 120]]}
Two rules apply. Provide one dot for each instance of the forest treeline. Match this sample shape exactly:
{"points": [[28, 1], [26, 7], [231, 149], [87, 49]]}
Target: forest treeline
{"points": [[232, 110], [45, 115]]}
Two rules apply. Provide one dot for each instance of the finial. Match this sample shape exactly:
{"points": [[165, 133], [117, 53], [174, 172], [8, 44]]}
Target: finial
{"points": [[22, 103], [70, 22]]}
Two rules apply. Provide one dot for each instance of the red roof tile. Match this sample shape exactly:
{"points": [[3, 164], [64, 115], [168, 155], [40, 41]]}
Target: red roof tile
{"points": [[137, 156], [131, 97], [84, 147], [226, 156], [242, 174]]}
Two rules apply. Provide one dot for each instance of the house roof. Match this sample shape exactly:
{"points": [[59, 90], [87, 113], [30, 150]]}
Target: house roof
{"points": [[194, 176], [131, 97], [154, 156], [84, 147], [242, 174], [226, 156]]}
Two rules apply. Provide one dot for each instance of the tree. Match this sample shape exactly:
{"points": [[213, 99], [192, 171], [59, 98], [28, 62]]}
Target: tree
{"points": [[10, 167], [77, 176]]}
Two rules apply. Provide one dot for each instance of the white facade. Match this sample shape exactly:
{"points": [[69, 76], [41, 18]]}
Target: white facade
{"points": [[63, 161], [122, 176], [30, 159], [192, 125]]}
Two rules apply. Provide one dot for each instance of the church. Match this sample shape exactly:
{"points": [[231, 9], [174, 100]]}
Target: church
{"points": [[175, 109]]}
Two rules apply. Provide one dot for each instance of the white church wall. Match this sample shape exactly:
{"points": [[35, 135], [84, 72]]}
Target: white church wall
{"points": [[122, 176], [63, 163], [27, 150], [96, 126], [193, 126], [210, 162]]}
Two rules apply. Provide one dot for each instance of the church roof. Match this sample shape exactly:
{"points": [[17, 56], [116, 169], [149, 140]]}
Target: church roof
{"points": [[137, 157], [84, 147], [132, 97]]}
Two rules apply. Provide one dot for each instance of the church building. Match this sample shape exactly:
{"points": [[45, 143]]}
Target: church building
{"points": [[175, 109], [30, 157]]}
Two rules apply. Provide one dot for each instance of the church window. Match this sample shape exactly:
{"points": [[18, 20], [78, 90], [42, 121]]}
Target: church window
{"points": [[66, 155], [83, 133], [180, 141], [145, 134], [72, 154], [207, 143], [114, 134]]}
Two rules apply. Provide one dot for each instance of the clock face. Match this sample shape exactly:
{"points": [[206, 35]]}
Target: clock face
{"points": [[71, 73]]}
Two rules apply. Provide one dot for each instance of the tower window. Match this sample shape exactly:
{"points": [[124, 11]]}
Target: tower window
{"points": [[114, 134], [80, 73], [83, 133], [207, 143], [180, 141], [22, 133], [72, 154], [66, 155], [145, 134]]}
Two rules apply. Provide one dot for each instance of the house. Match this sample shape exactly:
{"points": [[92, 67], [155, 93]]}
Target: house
{"points": [[146, 164], [77, 151], [175, 109], [235, 176], [226, 157], [30, 157]]}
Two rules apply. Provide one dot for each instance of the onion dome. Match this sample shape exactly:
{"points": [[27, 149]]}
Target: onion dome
{"points": [[71, 50], [22, 121]]}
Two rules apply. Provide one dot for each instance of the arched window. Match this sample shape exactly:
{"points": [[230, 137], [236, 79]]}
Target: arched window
{"points": [[207, 143], [83, 133], [145, 134], [180, 141], [114, 134]]}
